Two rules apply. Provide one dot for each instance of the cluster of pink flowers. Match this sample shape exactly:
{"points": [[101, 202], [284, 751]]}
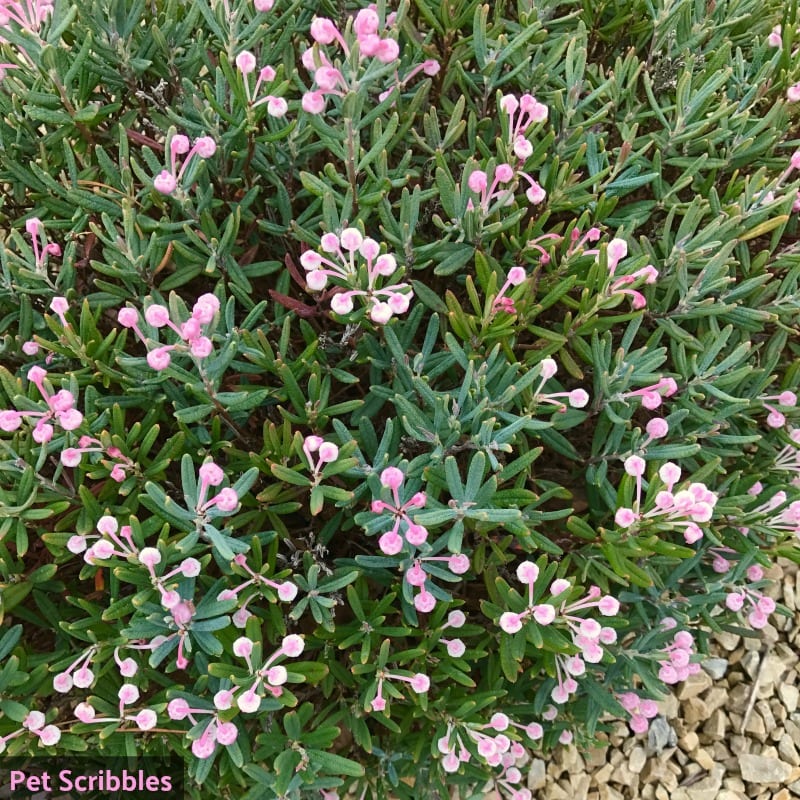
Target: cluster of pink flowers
{"points": [[128, 694], [776, 418], [329, 79], [392, 542], [269, 675], [761, 606], [788, 460], [455, 647], [587, 634], [167, 180], [225, 500], [416, 576], [640, 709], [71, 457], [216, 731], [60, 409], [77, 674], [680, 510], [285, 590], [191, 331], [327, 453], [419, 682], [42, 248], [677, 665], [382, 303], [617, 250], [34, 723], [576, 398], [405, 530], [787, 519], [430, 67], [496, 750], [506, 178], [651, 396], [516, 276], [246, 63], [28, 15]]}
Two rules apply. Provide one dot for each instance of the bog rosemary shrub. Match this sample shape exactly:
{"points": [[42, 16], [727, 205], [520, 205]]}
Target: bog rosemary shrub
{"points": [[387, 391]]}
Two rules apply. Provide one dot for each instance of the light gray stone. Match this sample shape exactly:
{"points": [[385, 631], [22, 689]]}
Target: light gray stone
{"points": [[762, 769]]}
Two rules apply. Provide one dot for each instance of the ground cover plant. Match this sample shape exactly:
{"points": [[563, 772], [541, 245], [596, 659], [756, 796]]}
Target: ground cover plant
{"points": [[387, 391]]}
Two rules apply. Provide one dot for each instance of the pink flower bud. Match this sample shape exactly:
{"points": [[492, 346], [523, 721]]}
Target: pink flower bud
{"points": [[159, 359], [243, 647], [392, 478], [128, 668], [149, 556], [227, 733], [70, 457], [179, 144], [205, 147], [190, 567], [420, 683], [248, 702], [102, 550], [390, 543], [625, 517], [146, 719], [128, 694], [34, 721], [84, 712], [178, 709], [544, 614], [734, 601], [287, 591], [635, 466], [510, 622], [456, 648], [608, 606], [527, 572], [323, 31], [425, 602], [59, 305], [456, 619], [293, 645], [276, 106], [157, 316], [165, 182], [328, 452], [416, 534], [386, 265], [227, 500], [516, 276], [657, 428], [388, 50], [558, 586], [366, 22], [458, 563], [477, 181], [670, 473], [246, 62], [578, 398], [62, 682], [127, 317], [182, 613], [313, 102], [50, 735]]}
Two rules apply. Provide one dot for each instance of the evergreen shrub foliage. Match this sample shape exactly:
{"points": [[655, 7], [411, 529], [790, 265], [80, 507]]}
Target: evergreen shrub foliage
{"points": [[387, 391]]}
